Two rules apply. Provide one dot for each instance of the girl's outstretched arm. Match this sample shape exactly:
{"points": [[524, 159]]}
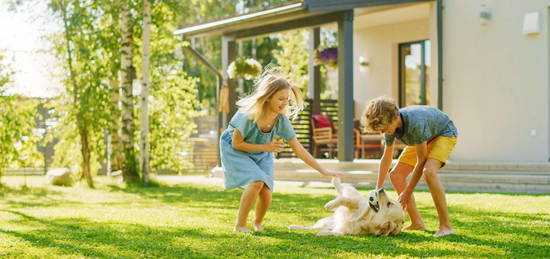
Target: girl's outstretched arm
{"points": [[302, 153]]}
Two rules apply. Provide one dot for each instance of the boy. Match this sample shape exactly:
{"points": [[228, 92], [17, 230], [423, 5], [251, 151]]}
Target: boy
{"points": [[430, 137]]}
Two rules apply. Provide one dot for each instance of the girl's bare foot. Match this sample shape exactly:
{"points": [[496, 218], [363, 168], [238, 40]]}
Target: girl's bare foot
{"points": [[258, 227], [241, 229], [415, 227], [444, 232]]}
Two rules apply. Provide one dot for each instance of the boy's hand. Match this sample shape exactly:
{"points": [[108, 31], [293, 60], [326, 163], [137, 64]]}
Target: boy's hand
{"points": [[404, 198]]}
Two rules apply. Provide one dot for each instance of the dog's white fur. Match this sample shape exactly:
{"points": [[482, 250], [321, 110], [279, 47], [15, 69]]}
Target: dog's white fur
{"points": [[353, 215]]}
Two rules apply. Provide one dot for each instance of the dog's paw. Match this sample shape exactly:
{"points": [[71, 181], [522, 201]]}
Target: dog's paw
{"points": [[331, 205]]}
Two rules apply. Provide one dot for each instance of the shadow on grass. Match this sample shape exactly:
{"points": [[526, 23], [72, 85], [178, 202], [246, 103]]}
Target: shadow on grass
{"points": [[27, 197], [78, 236], [205, 197], [33, 191]]}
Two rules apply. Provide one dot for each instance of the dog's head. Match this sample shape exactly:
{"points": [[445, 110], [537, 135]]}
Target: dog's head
{"points": [[388, 215]]}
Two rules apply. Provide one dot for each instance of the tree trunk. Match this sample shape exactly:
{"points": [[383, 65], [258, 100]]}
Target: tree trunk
{"points": [[144, 142], [85, 150], [129, 165], [82, 130], [116, 154]]}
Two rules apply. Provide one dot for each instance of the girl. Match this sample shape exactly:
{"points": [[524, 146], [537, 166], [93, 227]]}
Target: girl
{"points": [[247, 144]]}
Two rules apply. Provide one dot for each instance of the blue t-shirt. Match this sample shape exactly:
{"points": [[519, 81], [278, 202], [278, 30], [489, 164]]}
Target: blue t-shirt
{"points": [[252, 133], [422, 123]]}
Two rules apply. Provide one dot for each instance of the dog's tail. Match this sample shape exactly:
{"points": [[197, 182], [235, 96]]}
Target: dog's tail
{"points": [[338, 185]]}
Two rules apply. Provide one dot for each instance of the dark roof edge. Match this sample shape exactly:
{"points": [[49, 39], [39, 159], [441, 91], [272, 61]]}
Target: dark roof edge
{"points": [[204, 27]]}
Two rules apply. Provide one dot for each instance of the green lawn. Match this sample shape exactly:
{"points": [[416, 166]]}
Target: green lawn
{"points": [[195, 220]]}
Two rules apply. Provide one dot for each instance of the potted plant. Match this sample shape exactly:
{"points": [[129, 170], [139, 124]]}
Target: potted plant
{"points": [[327, 56], [244, 68]]}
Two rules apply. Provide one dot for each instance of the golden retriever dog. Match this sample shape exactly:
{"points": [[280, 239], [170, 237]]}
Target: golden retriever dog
{"points": [[354, 214]]}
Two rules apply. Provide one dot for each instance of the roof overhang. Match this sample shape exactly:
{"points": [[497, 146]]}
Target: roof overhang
{"points": [[246, 21], [306, 13]]}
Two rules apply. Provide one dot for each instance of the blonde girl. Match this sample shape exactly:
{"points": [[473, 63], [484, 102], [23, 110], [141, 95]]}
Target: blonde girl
{"points": [[247, 144]]}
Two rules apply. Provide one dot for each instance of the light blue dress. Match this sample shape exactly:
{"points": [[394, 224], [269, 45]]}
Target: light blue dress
{"points": [[242, 168]]}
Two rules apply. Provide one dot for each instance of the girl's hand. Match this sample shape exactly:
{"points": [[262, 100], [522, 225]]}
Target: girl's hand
{"points": [[275, 146], [334, 174]]}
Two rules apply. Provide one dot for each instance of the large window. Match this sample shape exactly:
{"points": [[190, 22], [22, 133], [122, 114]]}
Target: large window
{"points": [[414, 67]]}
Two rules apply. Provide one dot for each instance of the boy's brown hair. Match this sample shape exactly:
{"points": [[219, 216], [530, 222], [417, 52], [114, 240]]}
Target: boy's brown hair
{"points": [[379, 114]]}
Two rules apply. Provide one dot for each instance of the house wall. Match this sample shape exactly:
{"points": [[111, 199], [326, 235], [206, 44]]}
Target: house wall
{"points": [[496, 86], [379, 46]]}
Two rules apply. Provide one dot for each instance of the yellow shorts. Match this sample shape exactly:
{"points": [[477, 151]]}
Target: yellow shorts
{"points": [[439, 148]]}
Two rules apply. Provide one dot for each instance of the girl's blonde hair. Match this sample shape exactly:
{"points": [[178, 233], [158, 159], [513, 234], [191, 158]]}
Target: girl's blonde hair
{"points": [[379, 114], [270, 82]]}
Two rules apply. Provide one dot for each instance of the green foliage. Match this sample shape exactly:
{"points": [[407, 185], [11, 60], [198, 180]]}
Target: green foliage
{"points": [[293, 57], [173, 106], [196, 220], [68, 149], [83, 109], [6, 74], [17, 140], [173, 94], [97, 61]]}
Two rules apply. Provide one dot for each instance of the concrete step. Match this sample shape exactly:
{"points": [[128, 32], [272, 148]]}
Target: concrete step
{"points": [[458, 182], [520, 178], [488, 177], [493, 167]]}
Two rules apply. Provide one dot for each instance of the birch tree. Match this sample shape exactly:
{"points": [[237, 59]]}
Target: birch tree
{"points": [[144, 141], [127, 71]]}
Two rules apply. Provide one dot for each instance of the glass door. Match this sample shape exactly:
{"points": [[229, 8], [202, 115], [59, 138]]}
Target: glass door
{"points": [[414, 67]]}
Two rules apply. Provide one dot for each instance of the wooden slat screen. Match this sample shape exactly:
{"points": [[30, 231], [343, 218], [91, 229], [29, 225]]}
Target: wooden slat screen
{"points": [[302, 124]]}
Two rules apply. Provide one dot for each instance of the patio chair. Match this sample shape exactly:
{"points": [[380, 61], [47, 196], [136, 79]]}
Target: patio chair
{"points": [[368, 145], [323, 134]]}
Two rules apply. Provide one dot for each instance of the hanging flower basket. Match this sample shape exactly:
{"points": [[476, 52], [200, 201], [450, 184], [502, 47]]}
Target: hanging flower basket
{"points": [[244, 68], [326, 56]]}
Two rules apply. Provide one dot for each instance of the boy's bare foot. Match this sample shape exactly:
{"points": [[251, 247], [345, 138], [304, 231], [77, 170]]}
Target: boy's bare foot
{"points": [[241, 229], [258, 227], [444, 232], [415, 227]]}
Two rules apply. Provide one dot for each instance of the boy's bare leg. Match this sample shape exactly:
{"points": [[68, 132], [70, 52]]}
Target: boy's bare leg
{"points": [[398, 178], [261, 207], [248, 198], [438, 195]]}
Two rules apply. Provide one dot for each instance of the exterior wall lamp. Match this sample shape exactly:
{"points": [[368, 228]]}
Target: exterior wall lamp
{"points": [[485, 14]]}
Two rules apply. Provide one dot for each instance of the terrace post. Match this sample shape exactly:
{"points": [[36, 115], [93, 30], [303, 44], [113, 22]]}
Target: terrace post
{"points": [[345, 87], [229, 54], [314, 83]]}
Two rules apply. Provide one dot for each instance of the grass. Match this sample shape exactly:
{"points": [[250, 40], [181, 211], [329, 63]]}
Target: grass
{"points": [[195, 220]]}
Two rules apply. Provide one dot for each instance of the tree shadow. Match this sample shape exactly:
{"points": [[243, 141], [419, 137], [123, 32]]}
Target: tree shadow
{"points": [[25, 197], [81, 237]]}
